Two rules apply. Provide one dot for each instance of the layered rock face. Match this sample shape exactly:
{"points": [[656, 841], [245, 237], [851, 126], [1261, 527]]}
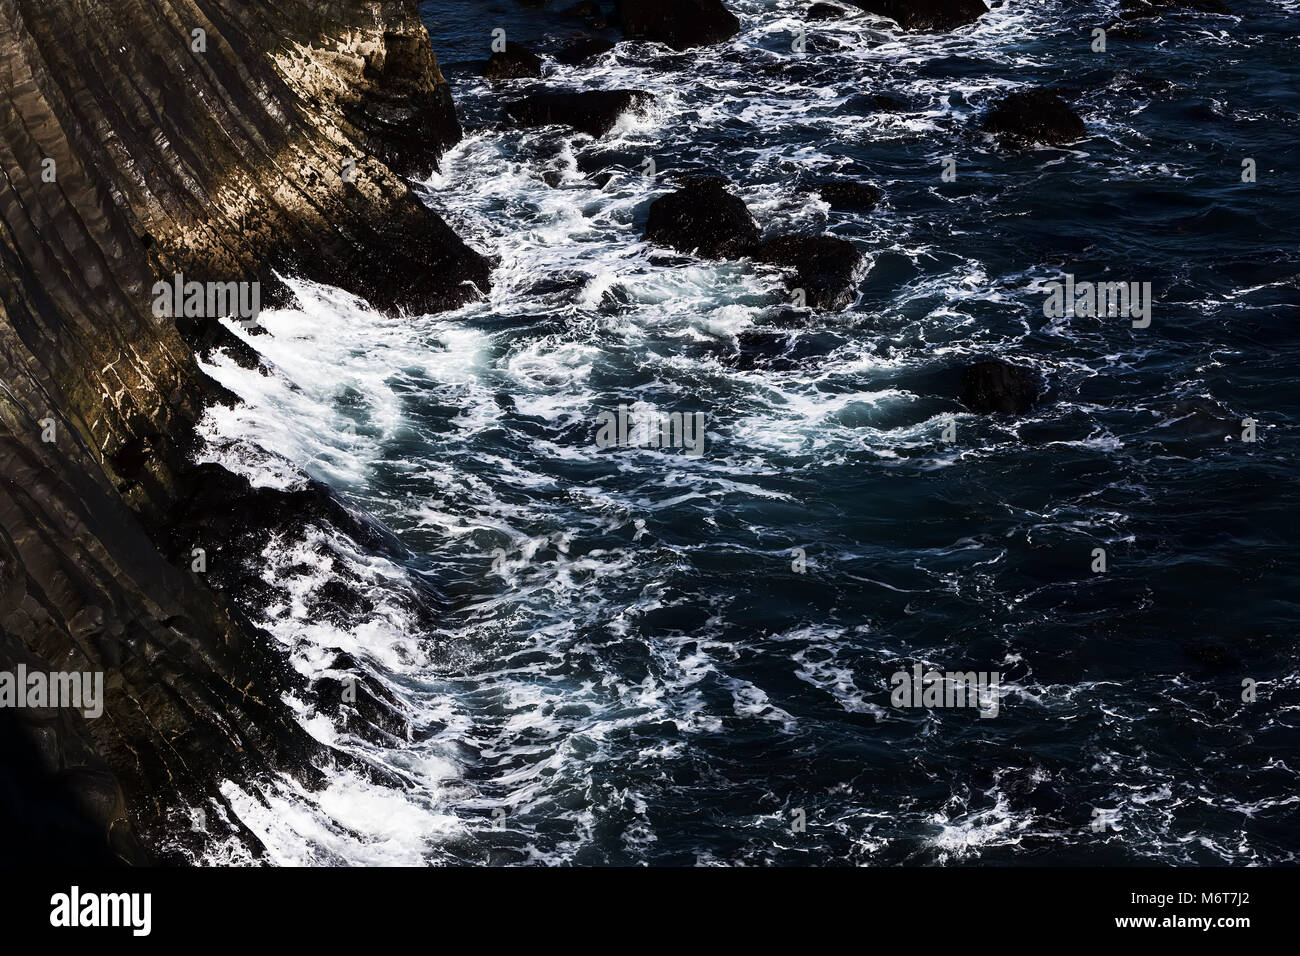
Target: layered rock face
{"points": [[221, 139]]}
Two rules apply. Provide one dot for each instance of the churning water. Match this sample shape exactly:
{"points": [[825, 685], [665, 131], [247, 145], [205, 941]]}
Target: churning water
{"points": [[627, 663]]}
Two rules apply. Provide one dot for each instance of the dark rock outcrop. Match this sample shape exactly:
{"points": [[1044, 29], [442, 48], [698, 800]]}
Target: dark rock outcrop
{"points": [[593, 112], [513, 63], [704, 218], [277, 138], [826, 268], [927, 15], [995, 386], [681, 24], [371, 711], [1035, 116]]}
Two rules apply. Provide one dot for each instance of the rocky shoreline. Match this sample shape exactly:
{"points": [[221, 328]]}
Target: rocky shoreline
{"points": [[238, 140], [225, 141]]}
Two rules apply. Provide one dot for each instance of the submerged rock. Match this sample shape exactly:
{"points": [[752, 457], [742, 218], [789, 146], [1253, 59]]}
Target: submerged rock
{"points": [[583, 50], [513, 63], [593, 112], [874, 103], [826, 268], [825, 11], [1186, 425], [1145, 9], [846, 194], [995, 386], [1213, 654], [927, 15], [704, 218], [681, 24], [1035, 116], [589, 11]]}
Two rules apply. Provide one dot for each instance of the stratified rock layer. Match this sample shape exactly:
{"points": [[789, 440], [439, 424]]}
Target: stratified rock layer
{"points": [[275, 138]]}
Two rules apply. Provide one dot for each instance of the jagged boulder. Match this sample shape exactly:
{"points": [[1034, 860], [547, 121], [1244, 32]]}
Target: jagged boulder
{"points": [[681, 24], [704, 218], [995, 386], [1028, 117], [826, 268], [927, 15], [593, 112]]}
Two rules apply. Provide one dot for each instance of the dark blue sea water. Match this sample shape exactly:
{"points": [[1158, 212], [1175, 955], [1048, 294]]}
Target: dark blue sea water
{"points": [[624, 666]]}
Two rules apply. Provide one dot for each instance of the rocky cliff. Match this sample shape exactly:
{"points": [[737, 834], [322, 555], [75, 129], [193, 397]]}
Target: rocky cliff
{"points": [[224, 140]]}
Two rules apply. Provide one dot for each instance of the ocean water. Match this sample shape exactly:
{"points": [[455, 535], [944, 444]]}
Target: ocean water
{"points": [[609, 655]]}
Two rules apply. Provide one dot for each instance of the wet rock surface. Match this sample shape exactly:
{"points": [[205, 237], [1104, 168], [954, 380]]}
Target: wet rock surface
{"points": [[593, 112], [580, 51], [848, 194], [705, 218], [513, 63], [1028, 117], [826, 268], [826, 11]]}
